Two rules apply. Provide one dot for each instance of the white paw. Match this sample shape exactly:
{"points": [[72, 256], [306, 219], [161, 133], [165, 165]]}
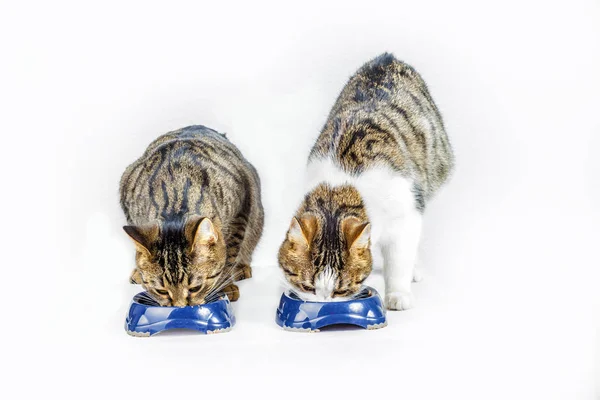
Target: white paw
{"points": [[399, 301], [417, 275]]}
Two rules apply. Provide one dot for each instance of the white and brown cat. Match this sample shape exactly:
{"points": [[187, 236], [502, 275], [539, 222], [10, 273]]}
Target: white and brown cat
{"points": [[379, 159]]}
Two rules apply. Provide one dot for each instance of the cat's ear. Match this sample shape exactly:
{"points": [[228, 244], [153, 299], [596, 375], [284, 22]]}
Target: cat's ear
{"points": [[143, 236], [295, 233], [356, 232], [303, 230], [201, 232]]}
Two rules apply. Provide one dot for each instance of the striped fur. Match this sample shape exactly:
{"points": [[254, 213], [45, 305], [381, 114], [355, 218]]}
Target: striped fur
{"points": [[384, 146], [386, 116], [331, 245], [194, 211]]}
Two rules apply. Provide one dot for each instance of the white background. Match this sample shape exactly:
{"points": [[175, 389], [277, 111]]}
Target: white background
{"points": [[508, 307]]}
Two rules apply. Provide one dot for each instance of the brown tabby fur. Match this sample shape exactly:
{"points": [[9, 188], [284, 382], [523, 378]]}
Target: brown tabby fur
{"points": [[330, 221], [386, 117], [194, 211]]}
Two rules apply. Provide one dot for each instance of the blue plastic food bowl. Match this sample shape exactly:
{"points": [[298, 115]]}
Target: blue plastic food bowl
{"points": [[146, 317], [365, 310]]}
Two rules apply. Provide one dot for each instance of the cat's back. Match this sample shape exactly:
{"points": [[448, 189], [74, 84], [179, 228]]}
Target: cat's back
{"points": [[195, 136], [190, 149], [182, 170], [385, 117]]}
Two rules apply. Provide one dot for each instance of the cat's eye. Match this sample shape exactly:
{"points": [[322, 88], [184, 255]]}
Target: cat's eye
{"points": [[306, 288], [162, 292], [341, 293], [195, 289], [212, 276]]}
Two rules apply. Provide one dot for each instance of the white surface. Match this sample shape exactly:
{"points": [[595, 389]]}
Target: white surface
{"points": [[507, 308]]}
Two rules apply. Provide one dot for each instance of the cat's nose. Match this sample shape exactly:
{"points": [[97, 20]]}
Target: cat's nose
{"points": [[322, 297], [179, 303]]}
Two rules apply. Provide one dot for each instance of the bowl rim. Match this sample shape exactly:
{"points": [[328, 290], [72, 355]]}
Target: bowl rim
{"points": [[373, 294], [135, 300]]}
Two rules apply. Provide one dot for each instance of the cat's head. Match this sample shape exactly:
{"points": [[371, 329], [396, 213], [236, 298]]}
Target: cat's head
{"points": [[179, 263], [326, 259]]}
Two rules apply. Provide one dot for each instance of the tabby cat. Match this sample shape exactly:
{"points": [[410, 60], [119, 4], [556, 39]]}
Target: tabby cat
{"points": [[380, 157], [194, 210]]}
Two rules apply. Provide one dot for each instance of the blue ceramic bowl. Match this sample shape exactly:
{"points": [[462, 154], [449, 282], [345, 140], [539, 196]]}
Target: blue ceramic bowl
{"points": [[365, 310], [146, 317]]}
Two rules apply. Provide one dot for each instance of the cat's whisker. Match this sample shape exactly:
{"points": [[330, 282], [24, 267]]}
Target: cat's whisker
{"points": [[146, 296], [217, 288]]}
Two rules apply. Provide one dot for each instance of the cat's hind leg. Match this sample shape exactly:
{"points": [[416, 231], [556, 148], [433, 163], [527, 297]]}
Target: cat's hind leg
{"points": [[239, 250], [238, 259], [250, 227]]}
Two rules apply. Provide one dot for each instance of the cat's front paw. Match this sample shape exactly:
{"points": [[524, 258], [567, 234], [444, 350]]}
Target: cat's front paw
{"points": [[399, 301]]}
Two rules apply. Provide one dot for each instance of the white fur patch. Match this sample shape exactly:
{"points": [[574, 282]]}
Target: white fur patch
{"points": [[399, 301], [324, 287], [325, 284]]}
